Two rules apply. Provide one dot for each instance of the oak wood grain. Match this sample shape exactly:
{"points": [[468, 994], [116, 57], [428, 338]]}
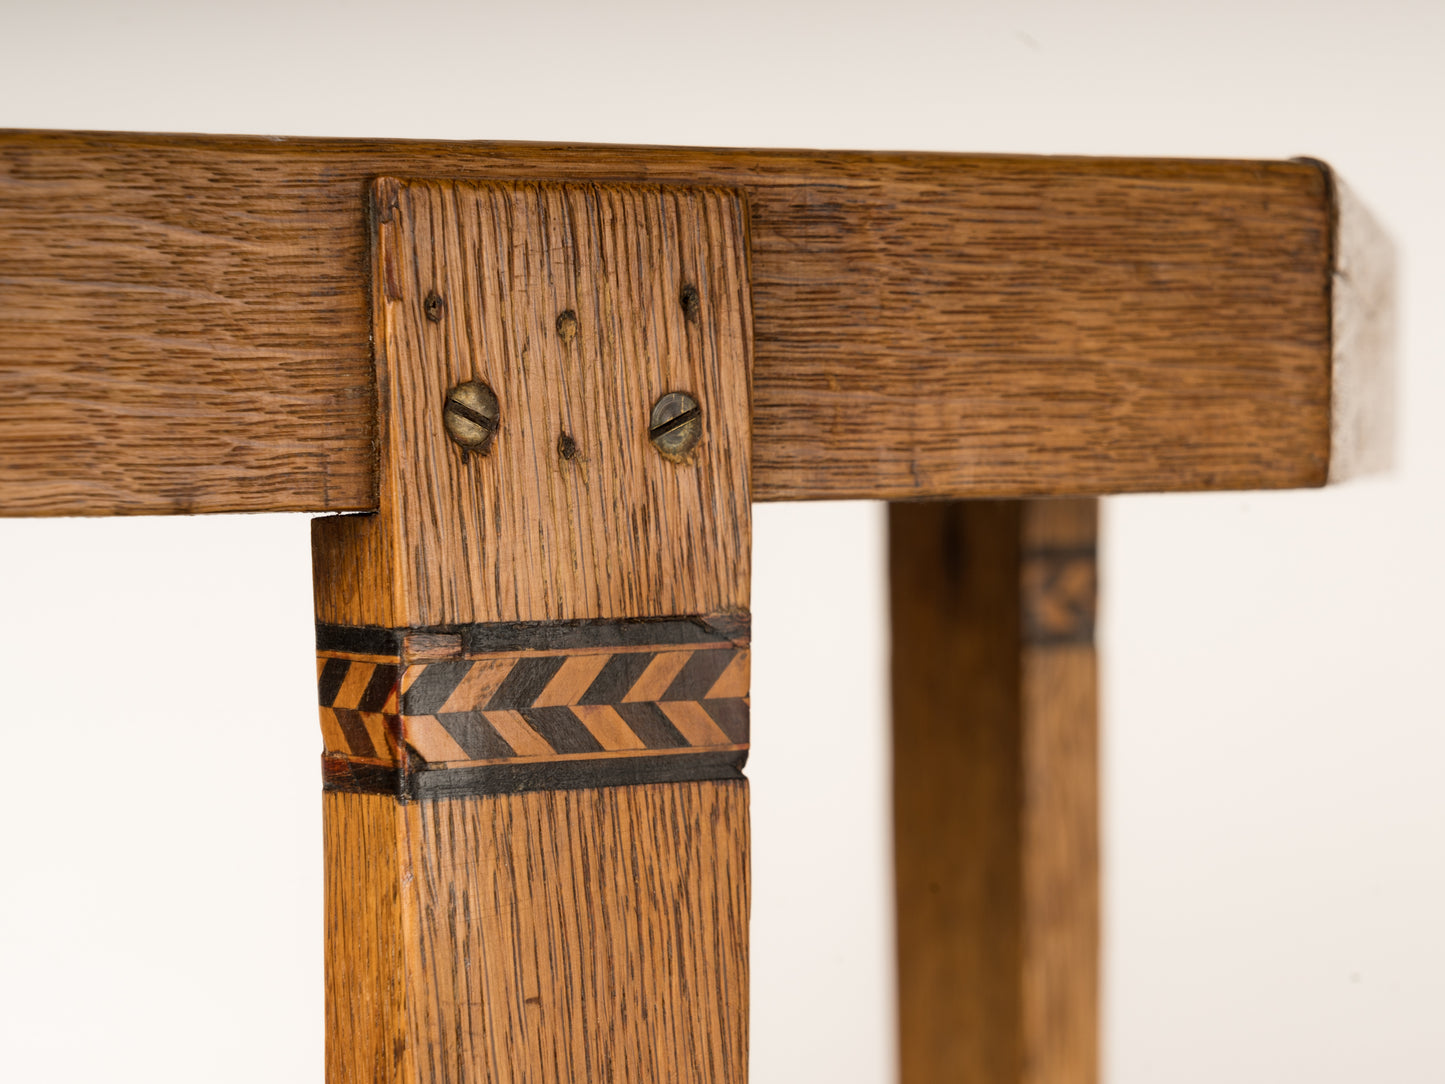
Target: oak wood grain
{"points": [[995, 791], [365, 943], [611, 528], [572, 935], [596, 933], [581, 935], [184, 319]]}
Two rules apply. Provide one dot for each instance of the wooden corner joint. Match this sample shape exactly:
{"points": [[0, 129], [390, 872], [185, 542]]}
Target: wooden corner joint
{"points": [[533, 657], [554, 589]]}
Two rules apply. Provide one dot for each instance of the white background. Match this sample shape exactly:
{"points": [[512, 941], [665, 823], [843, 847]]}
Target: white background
{"points": [[1274, 818]]}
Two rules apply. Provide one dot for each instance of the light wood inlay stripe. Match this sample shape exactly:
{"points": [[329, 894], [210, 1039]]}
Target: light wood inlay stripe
{"points": [[570, 682], [516, 733], [657, 677], [381, 739], [735, 680], [358, 676], [693, 722], [608, 727], [478, 686], [427, 736], [332, 738], [354, 656]]}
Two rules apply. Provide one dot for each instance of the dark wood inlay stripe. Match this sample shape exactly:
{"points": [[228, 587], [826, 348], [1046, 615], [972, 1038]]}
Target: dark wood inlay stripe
{"points": [[562, 730], [525, 682], [571, 635], [732, 717], [357, 738], [1058, 592], [617, 678], [379, 689], [339, 774], [477, 737], [648, 722], [328, 684], [433, 686], [358, 640], [542, 635], [699, 675]]}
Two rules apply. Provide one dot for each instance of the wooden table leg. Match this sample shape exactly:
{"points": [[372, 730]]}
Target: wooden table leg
{"points": [[996, 790], [596, 934], [533, 659]]}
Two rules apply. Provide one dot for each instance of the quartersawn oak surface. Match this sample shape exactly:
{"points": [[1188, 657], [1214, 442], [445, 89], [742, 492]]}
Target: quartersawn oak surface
{"points": [[184, 319], [525, 533], [590, 934], [553, 936], [995, 762]]}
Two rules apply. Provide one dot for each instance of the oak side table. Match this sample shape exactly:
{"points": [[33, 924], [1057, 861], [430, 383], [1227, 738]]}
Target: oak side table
{"points": [[535, 390]]}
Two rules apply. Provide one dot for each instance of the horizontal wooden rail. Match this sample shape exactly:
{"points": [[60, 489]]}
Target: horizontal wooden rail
{"points": [[184, 319]]}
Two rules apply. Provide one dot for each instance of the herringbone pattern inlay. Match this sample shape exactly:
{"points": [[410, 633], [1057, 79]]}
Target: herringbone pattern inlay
{"points": [[577, 702]]}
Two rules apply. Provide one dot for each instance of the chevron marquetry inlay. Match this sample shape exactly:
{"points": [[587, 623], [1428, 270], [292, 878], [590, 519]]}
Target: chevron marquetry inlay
{"points": [[519, 707]]}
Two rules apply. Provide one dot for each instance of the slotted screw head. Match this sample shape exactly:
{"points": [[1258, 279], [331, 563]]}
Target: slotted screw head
{"points": [[676, 425], [471, 415]]}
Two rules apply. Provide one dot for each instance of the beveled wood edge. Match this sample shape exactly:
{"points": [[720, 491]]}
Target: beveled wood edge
{"points": [[635, 161], [1362, 315]]}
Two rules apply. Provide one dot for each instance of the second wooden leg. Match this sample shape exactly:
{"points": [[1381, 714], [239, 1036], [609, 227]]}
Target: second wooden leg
{"points": [[995, 791]]}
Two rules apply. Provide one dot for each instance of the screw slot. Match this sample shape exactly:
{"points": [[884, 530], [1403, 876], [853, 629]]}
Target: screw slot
{"points": [[471, 416], [434, 307], [676, 425]]}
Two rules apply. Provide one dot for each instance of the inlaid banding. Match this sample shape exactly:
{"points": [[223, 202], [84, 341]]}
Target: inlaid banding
{"points": [[1058, 595], [493, 706]]}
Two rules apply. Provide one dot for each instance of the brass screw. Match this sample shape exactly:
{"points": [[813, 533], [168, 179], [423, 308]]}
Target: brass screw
{"points": [[471, 416], [676, 425]]}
